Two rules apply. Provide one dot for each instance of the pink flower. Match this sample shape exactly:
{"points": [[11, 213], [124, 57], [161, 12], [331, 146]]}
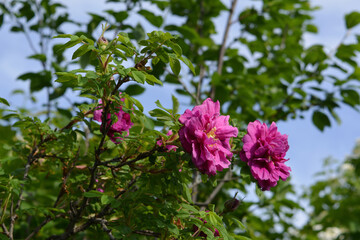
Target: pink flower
{"points": [[206, 135], [168, 147], [264, 151], [123, 123]]}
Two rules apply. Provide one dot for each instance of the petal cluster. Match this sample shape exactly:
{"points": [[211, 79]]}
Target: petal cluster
{"points": [[264, 151], [206, 134], [123, 123]]}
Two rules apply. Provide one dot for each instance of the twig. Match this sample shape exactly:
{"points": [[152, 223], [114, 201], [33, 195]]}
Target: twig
{"points": [[106, 229], [223, 45], [201, 77], [5, 230], [38, 228], [12, 219], [187, 90], [216, 190], [139, 157], [195, 186], [147, 233]]}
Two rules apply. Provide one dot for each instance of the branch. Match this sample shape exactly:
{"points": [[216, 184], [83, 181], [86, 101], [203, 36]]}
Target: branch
{"points": [[223, 45], [38, 228], [147, 233], [186, 89], [5, 230], [104, 227], [138, 158], [226, 178], [195, 184], [201, 77], [71, 231]]}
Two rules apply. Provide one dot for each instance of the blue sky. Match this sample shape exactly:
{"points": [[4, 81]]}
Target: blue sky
{"points": [[308, 146]]}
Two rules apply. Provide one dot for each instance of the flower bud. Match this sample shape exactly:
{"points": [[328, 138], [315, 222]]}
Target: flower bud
{"points": [[103, 42], [231, 205]]}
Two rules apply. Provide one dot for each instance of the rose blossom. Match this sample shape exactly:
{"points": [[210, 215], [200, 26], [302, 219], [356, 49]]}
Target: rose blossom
{"points": [[123, 123], [206, 135], [264, 151]]}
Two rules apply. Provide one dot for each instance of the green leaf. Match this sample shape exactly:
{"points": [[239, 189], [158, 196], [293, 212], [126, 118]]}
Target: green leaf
{"points": [[163, 55], [119, 16], [160, 114], [73, 41], [176, 104], [320, 120], [315, 54], [4, 101], [138, 76], [350, 97], [1, 19], [40, 57], [137, 103], [65, 77], [82, 50], [151, 17], [175, 66], [212, 218], [175, 47], [352, 19], [63, 36], [123, 37], [186, 193], [311, 28], [134, 89], [188, 63], [93, 193], [105, 199], [139, 33], [189, 207], [173, 229], [240, 224], [151, 79], [37, 80]]}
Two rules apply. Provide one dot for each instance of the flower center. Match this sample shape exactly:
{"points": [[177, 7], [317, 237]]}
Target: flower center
{"points": [[211, 133]]}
